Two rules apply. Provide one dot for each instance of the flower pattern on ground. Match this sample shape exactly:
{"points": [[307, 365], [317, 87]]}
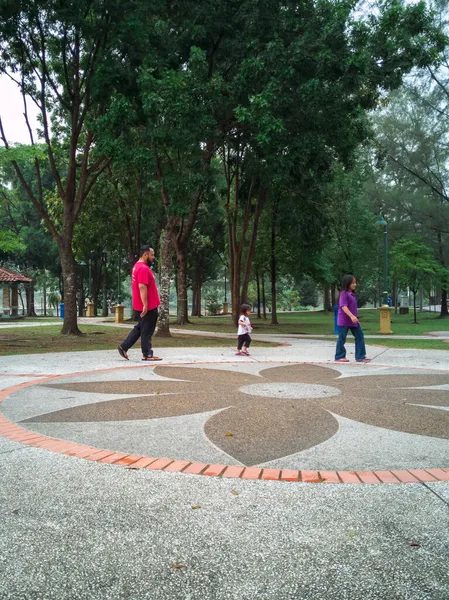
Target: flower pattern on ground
{"points": [[292, 411]]}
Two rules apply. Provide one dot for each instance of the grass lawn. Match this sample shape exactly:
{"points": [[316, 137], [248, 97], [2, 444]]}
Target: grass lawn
{"points": [[321, 323], [418, 344], [39, 340]]}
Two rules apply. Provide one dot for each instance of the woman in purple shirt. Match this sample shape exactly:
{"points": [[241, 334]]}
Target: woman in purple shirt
{"points": [[347, 320]]}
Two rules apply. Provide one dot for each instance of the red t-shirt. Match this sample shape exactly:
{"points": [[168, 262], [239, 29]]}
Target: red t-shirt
{"points": [[143, 274]]}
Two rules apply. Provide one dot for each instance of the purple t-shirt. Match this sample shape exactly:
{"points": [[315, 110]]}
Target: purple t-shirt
{"points": [[346, 299]]}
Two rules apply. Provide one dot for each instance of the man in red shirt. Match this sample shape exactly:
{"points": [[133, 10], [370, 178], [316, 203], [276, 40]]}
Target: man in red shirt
{"points": [[145, 302]]}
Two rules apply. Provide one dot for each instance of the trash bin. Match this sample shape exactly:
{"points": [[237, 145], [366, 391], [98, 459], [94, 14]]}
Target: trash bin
{"points": [[61, 310], [404, 305], [336, 328]]}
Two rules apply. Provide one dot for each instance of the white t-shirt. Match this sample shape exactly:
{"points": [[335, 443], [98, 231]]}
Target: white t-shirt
{"points": [[244, 328]]}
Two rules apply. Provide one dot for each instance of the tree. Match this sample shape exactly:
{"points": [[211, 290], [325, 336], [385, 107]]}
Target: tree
{"points": [[296, 121], [205, 251], [413, 263], [54, 52], [412, 147]]}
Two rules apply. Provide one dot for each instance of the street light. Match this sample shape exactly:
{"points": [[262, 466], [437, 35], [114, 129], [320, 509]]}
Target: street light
{"points": [[119, 283], [385, 318], [382, 223], [225, 298]]}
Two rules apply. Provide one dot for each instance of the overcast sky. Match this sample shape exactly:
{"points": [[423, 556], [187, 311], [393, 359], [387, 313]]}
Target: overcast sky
{"points": [[11, 112]]}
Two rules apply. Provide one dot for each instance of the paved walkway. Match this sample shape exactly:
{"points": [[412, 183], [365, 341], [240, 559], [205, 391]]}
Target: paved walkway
{"points": [[261, 336], [74, 527]]}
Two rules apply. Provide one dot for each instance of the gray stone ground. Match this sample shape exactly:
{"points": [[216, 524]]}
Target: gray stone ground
{"points": [[71, 529]]}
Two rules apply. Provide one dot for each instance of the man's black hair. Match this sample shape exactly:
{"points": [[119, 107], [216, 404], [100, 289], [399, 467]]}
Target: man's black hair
{"points": [[346, 282], [145, 248]]}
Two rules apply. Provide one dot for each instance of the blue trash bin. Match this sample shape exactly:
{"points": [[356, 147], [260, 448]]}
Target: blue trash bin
{"points": [[336, 328], [61, 310]]}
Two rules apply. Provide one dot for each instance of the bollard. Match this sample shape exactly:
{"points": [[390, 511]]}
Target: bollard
{"points": [[90, 309], [336, 327], [119, 309], [385, 320]]}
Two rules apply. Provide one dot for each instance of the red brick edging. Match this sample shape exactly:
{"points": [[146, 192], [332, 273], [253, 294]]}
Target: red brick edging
{"points": [[16, 433]]}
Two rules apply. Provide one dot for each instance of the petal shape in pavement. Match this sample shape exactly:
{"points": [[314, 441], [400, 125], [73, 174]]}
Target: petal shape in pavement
{"points": [[264, 429]]}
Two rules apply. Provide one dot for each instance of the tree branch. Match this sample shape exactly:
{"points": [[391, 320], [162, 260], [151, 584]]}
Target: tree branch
{"points": [[37, 204], [420, 177]]}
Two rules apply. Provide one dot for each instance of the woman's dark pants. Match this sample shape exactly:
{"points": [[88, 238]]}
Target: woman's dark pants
{"points": [[360, 351]]}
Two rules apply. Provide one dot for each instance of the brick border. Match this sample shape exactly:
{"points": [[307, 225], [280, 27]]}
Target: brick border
{"points": [[16, 433]]}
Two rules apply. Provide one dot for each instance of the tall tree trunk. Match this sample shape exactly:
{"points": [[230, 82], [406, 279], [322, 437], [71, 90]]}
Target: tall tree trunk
{"points": [[163, 325], [327, 303], [21, 301], [264, 298], [199, 299], [333, 295], [444, 308], [196, 293], [45, 294], [194, 312], [261, 198], [415, 321], [31, 311], [237, 240], [258, 294], [182, 305], [105, 311], [274, 318], [235, 289], [69, 326]]}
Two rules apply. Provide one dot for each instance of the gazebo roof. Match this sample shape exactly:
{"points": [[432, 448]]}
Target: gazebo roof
{"points": [[8, 276]]}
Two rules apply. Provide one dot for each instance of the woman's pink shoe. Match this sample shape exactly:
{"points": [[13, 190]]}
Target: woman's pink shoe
{"points": [[341, 360]]}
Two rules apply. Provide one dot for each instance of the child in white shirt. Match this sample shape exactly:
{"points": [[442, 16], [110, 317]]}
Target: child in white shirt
{"points": [[243, 337]]}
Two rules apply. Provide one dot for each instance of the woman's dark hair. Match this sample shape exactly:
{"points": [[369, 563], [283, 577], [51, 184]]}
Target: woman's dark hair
{"points": [[346, 282], [244, 308]]}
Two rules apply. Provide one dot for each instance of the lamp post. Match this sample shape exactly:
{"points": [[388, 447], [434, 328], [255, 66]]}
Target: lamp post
{"points": [[225, 298], [119, 308], [90, 278], [385, 310], [382, 223], [82, 264], [119, 283], [105, 310]]}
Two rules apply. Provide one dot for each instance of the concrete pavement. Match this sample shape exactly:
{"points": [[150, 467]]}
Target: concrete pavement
{"points": [[77, 529]]}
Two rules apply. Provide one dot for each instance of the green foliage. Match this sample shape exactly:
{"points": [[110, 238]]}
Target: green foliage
{"points": [[22, 153], [413, 263], [11, 243], [213, 305], [289, 299], [309, 292], [195, 105]]}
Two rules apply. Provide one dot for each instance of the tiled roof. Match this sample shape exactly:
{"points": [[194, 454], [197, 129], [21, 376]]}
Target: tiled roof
{"points": [[6, 275]]}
